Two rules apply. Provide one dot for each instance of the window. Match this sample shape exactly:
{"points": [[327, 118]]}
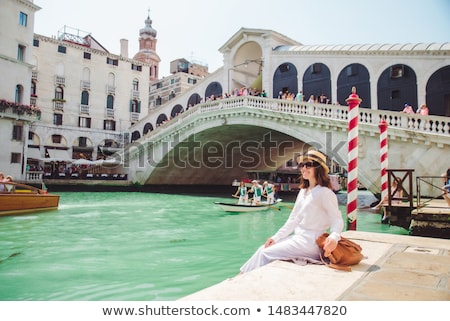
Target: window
{"points": [[134, 108], [192, 81], [110, 102], [316, 68], [352, 70], [15, 158], [135, 85], [59, 93], [159, 85], [23, 19], [56, 139], [33, 88], [57, 119], [109, 125], [84, 122], [82, 141], [111, 61], [395, 94], [284, 67], [158, 101], [136, 67], [397, 71], [85, 98], [19, 94], [87, 55], [21, 52], [36, 42], [17, 132], [62, 49]]}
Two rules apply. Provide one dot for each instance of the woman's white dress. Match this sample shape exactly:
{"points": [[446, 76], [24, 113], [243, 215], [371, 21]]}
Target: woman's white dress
{"points": [[315, 211]]}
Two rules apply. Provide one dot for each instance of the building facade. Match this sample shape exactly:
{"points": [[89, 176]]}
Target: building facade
{"points": [[16, 112]]}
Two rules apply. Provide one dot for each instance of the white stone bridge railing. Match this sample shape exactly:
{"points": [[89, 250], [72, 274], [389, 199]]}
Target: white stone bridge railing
{"points": [[432, 125]]}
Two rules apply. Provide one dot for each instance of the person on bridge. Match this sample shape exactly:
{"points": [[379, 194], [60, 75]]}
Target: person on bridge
{"points": [[315, 211]]}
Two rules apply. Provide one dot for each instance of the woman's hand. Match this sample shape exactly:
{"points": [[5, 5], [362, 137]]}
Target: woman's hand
{"points": [[329, 246], [269, 242]]}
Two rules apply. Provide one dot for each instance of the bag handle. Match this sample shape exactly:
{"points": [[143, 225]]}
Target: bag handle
{"points": [[335, 266]]}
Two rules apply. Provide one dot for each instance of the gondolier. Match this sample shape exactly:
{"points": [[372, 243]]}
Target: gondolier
{"points": [[269, 192], [242, 193], [257, 190]]}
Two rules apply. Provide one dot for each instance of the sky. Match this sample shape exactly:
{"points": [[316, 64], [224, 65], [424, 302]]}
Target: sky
{"points": [[196, 29]]}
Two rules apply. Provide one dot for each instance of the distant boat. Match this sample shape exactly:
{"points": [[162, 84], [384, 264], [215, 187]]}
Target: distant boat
{"points": [[233, 207], [16, 198]]}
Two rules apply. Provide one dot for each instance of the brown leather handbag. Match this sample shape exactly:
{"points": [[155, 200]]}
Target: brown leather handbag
{"points": [[347, 253]]}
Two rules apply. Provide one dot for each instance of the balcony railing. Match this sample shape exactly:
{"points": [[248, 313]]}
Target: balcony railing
{"points": [[135, 94], [59, 80], [34, 75], [10, 108], [58, 105], [109, 112], [110, 90], [134, 116], [84, 109], [85, 85]]}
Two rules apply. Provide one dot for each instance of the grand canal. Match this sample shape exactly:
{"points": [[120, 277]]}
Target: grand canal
{"points": [[132, 246]]}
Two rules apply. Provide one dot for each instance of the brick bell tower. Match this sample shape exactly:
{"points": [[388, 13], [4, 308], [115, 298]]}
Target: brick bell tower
{"points": [[147, 48]]}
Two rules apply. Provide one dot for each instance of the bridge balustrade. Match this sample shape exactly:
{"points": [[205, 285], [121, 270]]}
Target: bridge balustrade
{"points": [[418, 123]]}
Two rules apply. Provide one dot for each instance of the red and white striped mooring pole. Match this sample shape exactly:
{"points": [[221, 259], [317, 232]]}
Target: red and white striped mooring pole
{"points": [[383, 157], [353, 102]]}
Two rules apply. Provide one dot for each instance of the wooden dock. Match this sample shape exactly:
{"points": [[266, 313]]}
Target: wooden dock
{"points": [[431, 220], [422, 216]]}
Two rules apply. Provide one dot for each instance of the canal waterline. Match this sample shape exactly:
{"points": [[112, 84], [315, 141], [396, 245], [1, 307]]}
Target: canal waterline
{"points": [[135, 246]]}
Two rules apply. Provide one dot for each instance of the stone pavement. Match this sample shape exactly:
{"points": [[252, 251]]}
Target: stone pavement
{"points": [[396, 268]]}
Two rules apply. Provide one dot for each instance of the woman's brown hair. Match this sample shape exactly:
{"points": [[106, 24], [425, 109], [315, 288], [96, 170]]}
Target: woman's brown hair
{"points": [[320, 175]]}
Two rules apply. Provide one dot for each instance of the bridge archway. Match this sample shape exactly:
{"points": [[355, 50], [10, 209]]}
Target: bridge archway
{"points": [[176, 110], [317, 81], [285, 80], [193, 100], [397, 85], [148, 127], [213, 89], [438, 98], [353, 75]]}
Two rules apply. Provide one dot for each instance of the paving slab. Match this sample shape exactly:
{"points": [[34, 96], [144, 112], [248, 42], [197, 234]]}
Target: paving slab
{"points": [[395, 268]]}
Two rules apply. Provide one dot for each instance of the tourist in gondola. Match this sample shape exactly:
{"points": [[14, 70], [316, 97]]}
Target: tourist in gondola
{"points": [[315, 211]]}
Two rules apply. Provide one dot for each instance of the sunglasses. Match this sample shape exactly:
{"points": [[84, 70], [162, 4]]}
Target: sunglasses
{"points": [[308, 164]]}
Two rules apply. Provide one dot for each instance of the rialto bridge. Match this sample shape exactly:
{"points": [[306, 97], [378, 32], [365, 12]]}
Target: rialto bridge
{"points": [[218, 141]]}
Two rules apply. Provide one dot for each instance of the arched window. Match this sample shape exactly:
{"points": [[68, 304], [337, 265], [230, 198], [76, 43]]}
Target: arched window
{"points": [[19, 94], [135, 85], [85, 98], [110, 102], [59, 93]]}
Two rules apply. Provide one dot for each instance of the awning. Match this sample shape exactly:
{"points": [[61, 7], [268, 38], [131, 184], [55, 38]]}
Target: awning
{"points": [[58, 155], [34, 153]]}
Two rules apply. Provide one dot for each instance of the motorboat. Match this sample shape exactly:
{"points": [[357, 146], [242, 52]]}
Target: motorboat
{"points": [[16, 198]]}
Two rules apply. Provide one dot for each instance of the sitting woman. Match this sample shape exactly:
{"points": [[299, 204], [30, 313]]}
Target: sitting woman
{"points": [[315, 211]]}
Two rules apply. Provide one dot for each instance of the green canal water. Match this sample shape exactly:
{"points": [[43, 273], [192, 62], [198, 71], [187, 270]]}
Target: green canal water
{"points": [[131, 246]]}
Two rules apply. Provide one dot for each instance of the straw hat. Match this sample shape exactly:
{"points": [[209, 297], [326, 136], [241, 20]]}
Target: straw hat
{"points": [[315, 155]]}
